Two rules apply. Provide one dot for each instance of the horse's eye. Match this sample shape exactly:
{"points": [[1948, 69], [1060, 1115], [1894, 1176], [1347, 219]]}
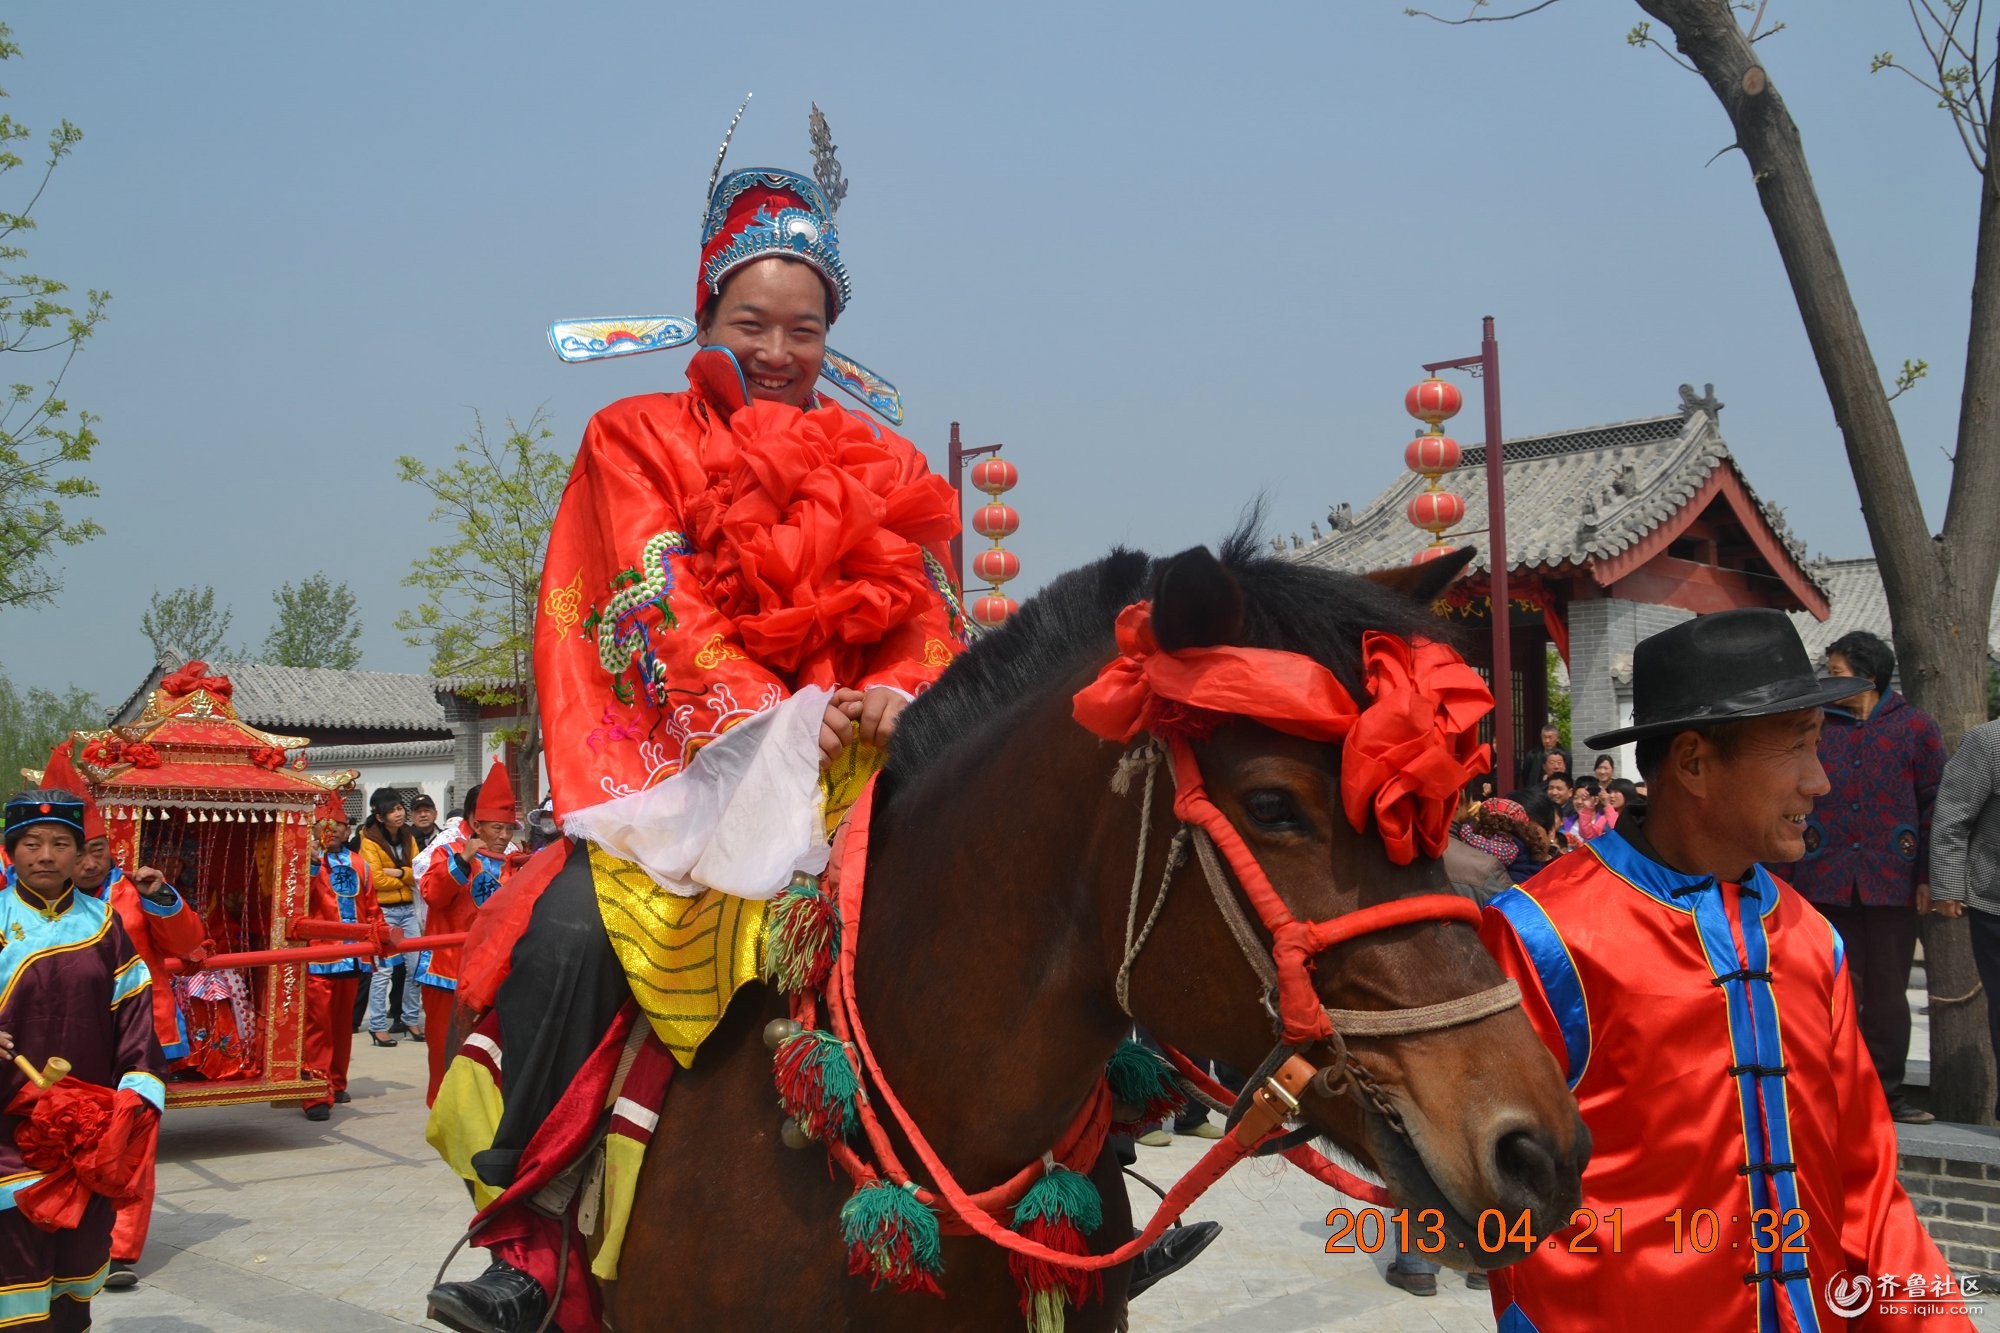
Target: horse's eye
{"points": [[1271, 808]]}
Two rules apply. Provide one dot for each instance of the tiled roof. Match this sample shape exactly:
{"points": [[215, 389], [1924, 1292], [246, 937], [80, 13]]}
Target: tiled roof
{"points": [[322, 756], [1855, 589], [1573, 497], [320, 697]]}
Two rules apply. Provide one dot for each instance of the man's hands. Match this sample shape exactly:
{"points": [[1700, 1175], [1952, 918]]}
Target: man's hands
{"points": [[151, 884], [1943, 907], [852, 715]]}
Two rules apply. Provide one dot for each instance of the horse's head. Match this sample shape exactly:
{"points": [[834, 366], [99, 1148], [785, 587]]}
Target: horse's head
{"points": [[1469, 1116]]}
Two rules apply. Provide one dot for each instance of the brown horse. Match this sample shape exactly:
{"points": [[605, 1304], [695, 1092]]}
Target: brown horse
{"points": [[1002, 860]]}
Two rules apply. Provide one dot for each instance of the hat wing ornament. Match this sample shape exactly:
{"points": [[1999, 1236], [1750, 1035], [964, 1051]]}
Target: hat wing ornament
{"points": [[578, 340], [600, 339]]}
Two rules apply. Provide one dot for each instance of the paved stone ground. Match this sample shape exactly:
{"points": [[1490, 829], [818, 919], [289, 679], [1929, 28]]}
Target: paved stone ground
{"points": [[265, 1220]]}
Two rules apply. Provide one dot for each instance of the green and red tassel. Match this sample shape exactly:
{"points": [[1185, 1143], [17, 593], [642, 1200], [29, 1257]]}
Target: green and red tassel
{"points": [[1060, 1211], [817, 1084], [801, 936], [1140, 1077], [892, 1238]]}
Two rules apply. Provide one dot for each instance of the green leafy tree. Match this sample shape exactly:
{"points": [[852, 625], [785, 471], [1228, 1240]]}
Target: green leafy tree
{"points": [[482, 586], [43, 448], [185, 624], [33, 720], [316, 626], [1939, 583], [1558, 690]]}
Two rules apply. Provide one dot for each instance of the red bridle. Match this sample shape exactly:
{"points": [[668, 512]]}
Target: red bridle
{"points": [[1404, 759]]}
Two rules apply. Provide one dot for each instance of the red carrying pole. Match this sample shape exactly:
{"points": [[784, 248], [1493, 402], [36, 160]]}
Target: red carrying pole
{"points": [[318, 953]]}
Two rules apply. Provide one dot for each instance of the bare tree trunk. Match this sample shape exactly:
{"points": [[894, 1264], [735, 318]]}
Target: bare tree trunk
{"points": [[1940, 589]]}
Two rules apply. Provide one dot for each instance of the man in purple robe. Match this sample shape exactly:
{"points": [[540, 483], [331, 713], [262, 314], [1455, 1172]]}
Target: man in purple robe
{"points": [[72, 986]]}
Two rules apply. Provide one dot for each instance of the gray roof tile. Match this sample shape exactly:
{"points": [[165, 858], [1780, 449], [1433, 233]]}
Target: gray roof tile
{"points": [[320, 697], [1855, 589], [1572, 496]]}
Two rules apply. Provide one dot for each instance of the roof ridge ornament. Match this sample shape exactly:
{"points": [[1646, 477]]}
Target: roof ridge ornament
{"points": [[1706, 402]]}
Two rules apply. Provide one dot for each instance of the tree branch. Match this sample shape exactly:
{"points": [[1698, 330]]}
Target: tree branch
{"points": [[1476, 17]]}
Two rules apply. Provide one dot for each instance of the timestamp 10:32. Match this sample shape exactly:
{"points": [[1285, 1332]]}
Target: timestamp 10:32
{"points": [[1587, 1232]]}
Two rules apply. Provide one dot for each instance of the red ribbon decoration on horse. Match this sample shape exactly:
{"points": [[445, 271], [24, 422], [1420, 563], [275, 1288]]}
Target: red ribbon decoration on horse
{"points": [[1405, 757]]}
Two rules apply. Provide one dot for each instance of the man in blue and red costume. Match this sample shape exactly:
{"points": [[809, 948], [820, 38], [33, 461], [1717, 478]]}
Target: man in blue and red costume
{"points": [[72, 988], [454, 886], [342, 890], [1743, 1166]]}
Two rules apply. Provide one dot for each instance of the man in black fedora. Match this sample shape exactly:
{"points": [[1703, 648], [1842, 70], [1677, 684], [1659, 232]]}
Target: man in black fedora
{"points": [[1743, 1158]]}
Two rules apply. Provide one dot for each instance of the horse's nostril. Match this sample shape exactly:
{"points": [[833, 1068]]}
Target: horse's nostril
{"points": [[1525, 1170]]}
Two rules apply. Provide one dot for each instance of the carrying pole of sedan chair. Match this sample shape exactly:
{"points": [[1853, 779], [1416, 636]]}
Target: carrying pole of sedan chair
{"points": [[317, 953]]}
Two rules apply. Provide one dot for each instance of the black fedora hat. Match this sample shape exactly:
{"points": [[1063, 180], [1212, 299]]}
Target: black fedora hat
{"points": [[1718, 668]]}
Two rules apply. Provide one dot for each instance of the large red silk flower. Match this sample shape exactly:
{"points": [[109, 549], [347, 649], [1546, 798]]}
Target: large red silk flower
{"points": [[88, 1139], [1404, 758], [808, 535]]}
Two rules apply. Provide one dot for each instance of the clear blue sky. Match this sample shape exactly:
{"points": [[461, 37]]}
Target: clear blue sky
{"points": [[1173, 255]]}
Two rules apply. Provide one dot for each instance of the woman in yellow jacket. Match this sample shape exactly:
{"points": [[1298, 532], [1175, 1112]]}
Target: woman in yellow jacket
{"points": [[389, 845]]}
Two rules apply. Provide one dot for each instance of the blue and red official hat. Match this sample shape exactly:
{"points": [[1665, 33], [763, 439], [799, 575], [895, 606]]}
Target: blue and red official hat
{"points": [[43, 805]]}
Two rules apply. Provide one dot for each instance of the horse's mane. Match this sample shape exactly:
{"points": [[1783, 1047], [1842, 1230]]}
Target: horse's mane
{"points": [[1288, 605]]}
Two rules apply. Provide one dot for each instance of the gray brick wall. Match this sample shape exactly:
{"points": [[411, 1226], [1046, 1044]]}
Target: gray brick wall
{"points": [[1600, 633], [1960, 1205], [467, 750]]}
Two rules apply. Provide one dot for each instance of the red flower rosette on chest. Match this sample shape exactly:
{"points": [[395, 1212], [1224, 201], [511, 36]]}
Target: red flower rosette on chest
{"points": [[808, 537]]}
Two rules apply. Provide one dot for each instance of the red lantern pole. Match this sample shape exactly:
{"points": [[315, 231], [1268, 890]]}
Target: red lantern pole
{"points": [[1488, 362], [957, 453]]}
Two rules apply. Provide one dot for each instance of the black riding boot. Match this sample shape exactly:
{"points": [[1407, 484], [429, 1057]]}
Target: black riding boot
{"points": [[503, 1299], [1174, 1250]]}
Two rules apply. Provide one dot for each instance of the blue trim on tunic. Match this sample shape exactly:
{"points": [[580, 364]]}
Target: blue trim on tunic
{"points": [[1513, 1321], [1561, 985], [146, 1085], [346, 882], [178, 1050], [130, 979], [82, 922]]}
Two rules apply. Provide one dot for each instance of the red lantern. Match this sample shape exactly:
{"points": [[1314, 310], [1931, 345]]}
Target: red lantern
{"points": [[992, 609], [995, 476], [1432, 455], [1430, 553], [996, 566], [995, 520], [1434, 511], [1433, 401]]}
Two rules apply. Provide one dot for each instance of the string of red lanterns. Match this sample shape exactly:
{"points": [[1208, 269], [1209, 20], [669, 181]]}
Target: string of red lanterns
{"points": [[996, 522], [1431, 455]]}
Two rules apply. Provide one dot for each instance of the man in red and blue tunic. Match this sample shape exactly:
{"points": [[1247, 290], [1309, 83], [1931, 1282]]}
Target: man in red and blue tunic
{"points": [[454, 887], [72, 987], [1743, 1165], [1867, 861], [341, 891]]}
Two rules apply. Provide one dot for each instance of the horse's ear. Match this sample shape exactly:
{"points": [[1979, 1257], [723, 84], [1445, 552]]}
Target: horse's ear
{"points": [[1424, 582], [1196, 602]]}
